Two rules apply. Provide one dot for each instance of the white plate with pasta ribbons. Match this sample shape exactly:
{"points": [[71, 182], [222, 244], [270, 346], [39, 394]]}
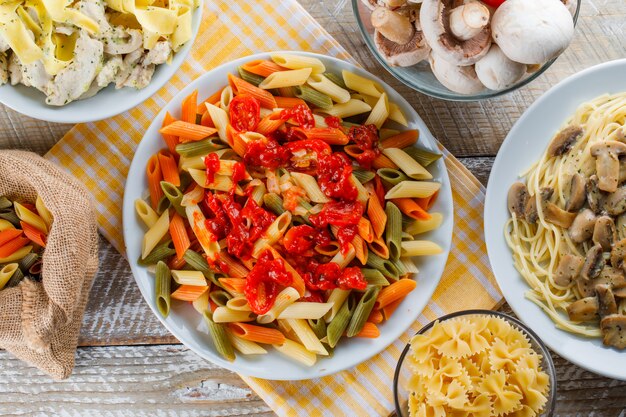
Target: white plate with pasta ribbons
{"points": [[594, 100], [183, 318]]}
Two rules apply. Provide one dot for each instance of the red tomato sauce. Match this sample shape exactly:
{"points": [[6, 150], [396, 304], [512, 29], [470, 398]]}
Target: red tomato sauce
{"points": [[263, 282], [366, 138], [212, 165]]}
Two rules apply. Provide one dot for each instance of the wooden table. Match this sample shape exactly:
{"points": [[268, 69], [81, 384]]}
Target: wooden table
{"points": [[128, 364]]}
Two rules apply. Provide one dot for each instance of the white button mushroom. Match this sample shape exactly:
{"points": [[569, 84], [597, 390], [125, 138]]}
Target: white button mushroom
{"points": [[496, 71], [458, 79], [532, 31], [406, 54], [468, 20]]}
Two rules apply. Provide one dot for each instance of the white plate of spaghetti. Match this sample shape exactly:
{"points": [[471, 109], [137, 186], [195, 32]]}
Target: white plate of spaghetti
{"points": [[555, 228]]}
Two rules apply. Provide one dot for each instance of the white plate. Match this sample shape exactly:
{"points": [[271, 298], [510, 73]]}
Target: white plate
{"points": [[183, 320], [523, 146], [107, 103]]}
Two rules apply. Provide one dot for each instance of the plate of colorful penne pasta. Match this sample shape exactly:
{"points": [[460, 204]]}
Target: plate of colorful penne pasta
{"points": [[287, 215]]}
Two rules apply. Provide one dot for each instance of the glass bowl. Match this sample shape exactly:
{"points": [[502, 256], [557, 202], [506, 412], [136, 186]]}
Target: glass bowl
{"points": [[420, 78], [403, 373]]}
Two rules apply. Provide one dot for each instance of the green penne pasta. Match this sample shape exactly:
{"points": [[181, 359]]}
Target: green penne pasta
{"points": [[198, 263], [9, 215], [220, 297], [385, 266], [274, 203], [5, 203], [400, 267], [200, 148], [27, 261], [374, 277], [319, 327], [392, 176], [362, 311], [422, 156], [159, 253], [163, 287], [363, 175], [340, 322], [393, 230], [253, 79], [220, 338], [335, 79], [175, 196], [314, 97], [162, 205], [15, 279]]}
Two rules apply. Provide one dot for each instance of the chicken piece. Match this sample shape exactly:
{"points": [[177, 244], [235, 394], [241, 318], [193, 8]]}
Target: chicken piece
{"points": [[4, 69], [35, 75], [94, 9], [159, 54], [117, 39], [130, 62], [110, 69], [140, 76], [75, 79], [4, 46], [15, 70]]}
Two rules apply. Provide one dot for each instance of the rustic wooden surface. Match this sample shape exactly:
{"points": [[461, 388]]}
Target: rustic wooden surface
{"points": [[129, 364]]}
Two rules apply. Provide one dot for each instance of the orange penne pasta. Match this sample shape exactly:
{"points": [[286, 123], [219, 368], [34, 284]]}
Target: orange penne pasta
{"points": [[257, 334], [153, 171], [189, 108], [379, 247], [411, 208], [170, 140], [262, 67], [235, 269], [201, 108], [180, 238], [169, 168], [401, 140], [360, 249], [34, 234], [365, 229], [298, 281], [189, 292], [8, 235], [329, 135], [270, 123], [382, 161], [12, 245], [237, 143], [206, 120], [288, 102], [370, 331], [233, 284], [377, 215], [427, 202], [240, 86], [376, 317], [394, 292], [389, 309], [188, 132]]}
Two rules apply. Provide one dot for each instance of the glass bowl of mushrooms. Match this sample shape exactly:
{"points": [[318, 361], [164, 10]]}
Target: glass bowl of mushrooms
{"points": [[466, 50]]}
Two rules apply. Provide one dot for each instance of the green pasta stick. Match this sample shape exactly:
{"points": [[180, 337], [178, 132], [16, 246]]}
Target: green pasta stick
{"points": [[163, 286], [362, 311], [27, 261], [374, 277], [9, 215], [319, 327], [314, 97], [220, 297], [385, 266], [250, 77], [220, 338], [199, 148], [198, 263], [274, 203], [363, 175], [175, 196], [15, 279], [400, 267], [160, 253], [340, 322], [336, 79], [393, 231], [5, 203], [392, 176], [163, 204], [423, 156]]}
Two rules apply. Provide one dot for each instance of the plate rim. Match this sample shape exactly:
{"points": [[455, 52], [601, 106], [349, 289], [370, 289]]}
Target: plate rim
{"points": [[516, 302], [446, 228]]}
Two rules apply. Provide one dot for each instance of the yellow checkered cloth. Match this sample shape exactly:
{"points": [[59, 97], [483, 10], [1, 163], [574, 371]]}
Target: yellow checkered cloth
{"points": [[99, 154]]}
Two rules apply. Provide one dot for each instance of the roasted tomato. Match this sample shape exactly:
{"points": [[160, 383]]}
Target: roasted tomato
{"points": [[244, 112]]}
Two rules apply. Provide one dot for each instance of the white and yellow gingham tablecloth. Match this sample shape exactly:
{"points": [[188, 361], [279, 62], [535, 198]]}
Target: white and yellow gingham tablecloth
{"points": [[100, 153]]}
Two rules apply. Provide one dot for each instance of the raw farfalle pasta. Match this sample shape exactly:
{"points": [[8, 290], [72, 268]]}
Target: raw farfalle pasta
{"points": [[478, 366]]}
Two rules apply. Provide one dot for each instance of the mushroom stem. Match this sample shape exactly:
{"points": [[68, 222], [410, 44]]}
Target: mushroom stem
{"points": [[468, 20], [393, 25]]}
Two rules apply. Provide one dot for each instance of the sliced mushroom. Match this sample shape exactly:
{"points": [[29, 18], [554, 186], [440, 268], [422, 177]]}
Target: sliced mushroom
{"points": [[618, 254], [557, 216], [606, 300], [615, 203], [517, 199], [435, 20], [595, 198], [594, 262], [577, 193], [609, 276], [496, 71], [620, 291], [403, 55], [568, 270], [532, 215], [614, 330], [604, 232], [393, 25], [585, 309], [583, 226], [607, 155], [456, 78], [564, 140]]}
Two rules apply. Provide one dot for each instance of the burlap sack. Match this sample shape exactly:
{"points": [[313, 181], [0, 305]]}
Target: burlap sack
{"points": [[40, 321]]}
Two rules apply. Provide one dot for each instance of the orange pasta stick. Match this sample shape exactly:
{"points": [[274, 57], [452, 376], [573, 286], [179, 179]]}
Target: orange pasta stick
{"points": [[189, 108], [353, 151], [298, 281], [233, 284], [370, 331], [11, 246], [382, 161], [169, 168], [329, 135], [235, 269], [270, 123], [288, 102], [34, 234], [201, 108], [377, 215], [394, 292], [153, 171], [365, 229], [389, 309], [179, 235], [411, 208], [240, 86], [376, 317], [188, 132], [189, 292], [262, 67], [238, 145], [379, 247], [257, 334], [401, 140], [360, 249], [170, 140], [206, 120], [427, 202], [8, 235]]}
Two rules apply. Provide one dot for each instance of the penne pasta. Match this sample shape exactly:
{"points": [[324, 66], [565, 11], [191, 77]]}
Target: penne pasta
{"points": [[288, 78], [348, 109], [380, 112], [420, 248], [307, 337], [297, 352], [322, 84], [377, 215], [272, 234], [293, 61], [219, 334], [257, 334], [184, 277], [305, 310], [394, 292], [401, 140], [203, 235], [226, 315], [284, 299], [422, 226], [361, 85], [154, 235], [407, 164], [43, 212], [310, 186], [244, 346], [220, 120], [147, 215], [337, 298], [413, 189], [410, 208], [27, 216], [263, 68]]}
